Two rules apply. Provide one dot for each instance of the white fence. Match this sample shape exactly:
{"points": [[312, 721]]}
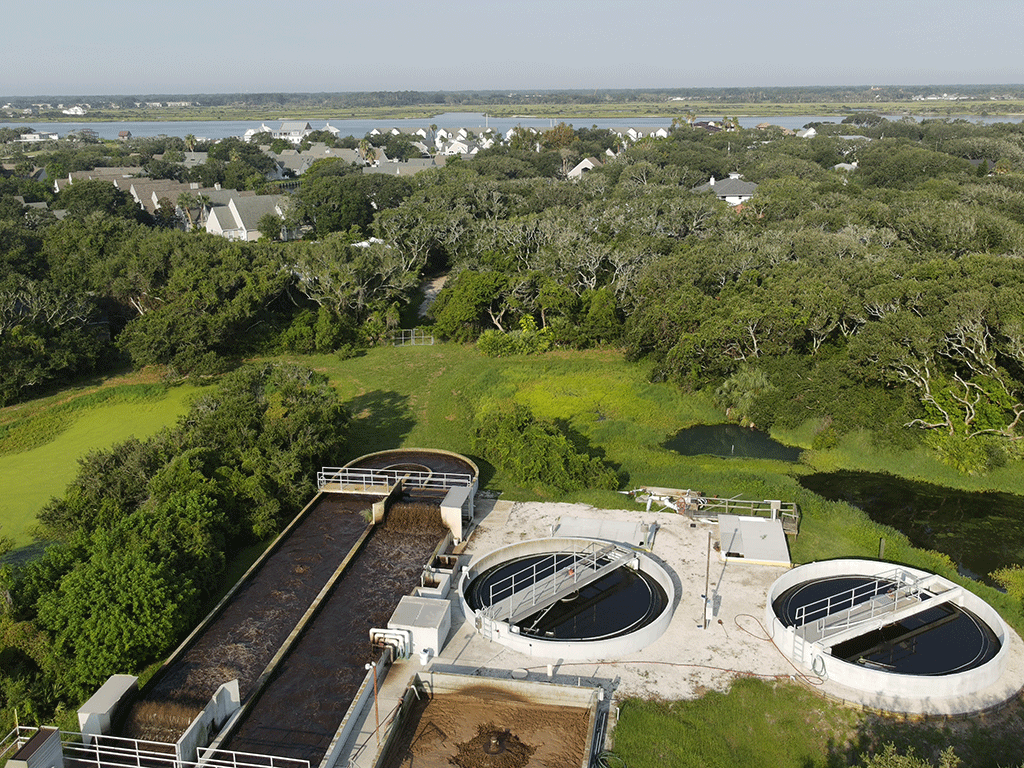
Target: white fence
{"points": [[355, 477], [118, 752], [412, 337]]}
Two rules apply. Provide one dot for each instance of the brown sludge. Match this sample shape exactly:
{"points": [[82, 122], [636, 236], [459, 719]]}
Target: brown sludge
{"points": [[456, 729]]}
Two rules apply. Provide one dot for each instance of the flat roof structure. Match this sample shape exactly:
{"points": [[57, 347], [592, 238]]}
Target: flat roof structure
{"points": [[755, 540]]}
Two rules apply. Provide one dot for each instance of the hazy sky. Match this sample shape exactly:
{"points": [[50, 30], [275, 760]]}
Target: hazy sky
{"points": [[105, 47]]}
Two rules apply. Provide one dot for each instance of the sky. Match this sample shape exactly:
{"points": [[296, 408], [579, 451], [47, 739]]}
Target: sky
{"points": [[100, 47]]}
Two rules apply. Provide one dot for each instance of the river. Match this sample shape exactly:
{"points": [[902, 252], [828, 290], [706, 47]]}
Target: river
{"points": [[476, 121]]}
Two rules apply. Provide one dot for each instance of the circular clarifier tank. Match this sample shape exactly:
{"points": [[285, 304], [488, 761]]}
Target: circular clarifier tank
{"points": [[575, 599], [892, 637]]}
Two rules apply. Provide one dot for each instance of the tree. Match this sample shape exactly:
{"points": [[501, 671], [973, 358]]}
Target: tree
{"points": [[116, 611], [270, 225], [94, 196], [538, 452]]}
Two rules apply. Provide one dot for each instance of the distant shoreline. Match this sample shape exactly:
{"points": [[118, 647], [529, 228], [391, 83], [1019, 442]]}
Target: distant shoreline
{"points": [[560, 112]]}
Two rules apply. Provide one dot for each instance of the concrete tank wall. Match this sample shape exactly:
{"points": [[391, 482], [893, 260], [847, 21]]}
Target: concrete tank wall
{"points": [[889, 690], [568, 650]]}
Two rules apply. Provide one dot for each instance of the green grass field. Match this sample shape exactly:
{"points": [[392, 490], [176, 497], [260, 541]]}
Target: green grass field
{"points": [[759, 724], [40, 445]]}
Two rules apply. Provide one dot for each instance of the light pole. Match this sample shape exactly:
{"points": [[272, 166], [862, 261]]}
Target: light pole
{"points": [[376, 710]]}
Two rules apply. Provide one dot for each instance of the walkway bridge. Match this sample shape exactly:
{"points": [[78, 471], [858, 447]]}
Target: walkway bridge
{"points": [[553, 577], [888, 598]]}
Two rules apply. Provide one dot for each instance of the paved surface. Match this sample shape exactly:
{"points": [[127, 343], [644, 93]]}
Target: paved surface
{"points": [[688, 659]]}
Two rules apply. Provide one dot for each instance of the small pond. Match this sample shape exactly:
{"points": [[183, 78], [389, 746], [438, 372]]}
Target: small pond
{"points": [[729, 440], [979, 531]]}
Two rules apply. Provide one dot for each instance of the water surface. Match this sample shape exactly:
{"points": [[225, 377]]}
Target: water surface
{"points": [[729, 440]]}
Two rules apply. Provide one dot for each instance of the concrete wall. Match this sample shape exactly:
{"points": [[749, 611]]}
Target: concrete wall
{"points": [[814, 659], [363, 698], [582, 650], [97, 714], [224, 703]]}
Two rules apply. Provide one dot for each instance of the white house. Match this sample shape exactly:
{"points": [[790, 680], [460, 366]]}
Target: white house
{"points": [[732, 190], [239, 219], [584, 165], [294, 131]]}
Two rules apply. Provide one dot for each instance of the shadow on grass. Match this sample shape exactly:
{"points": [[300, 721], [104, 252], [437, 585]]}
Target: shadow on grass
{"points": [[380, 420], [26, 554], [583, 446], [991, 740]]}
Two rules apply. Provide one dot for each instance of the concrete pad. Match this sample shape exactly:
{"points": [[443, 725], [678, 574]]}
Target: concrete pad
{"points": [[628, 532], [686, 660], [756, 540]]}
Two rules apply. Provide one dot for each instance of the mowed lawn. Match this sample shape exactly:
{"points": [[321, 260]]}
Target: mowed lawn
{"points": [[30, 478]]}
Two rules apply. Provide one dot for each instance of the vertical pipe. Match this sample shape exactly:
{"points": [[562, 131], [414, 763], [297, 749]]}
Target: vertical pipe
{"points": [[707, 583]]}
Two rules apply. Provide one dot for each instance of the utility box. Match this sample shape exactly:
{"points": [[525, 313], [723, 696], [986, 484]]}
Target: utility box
{"points": [[427, 619], [457, 509], [97, 714], [41, 751]]}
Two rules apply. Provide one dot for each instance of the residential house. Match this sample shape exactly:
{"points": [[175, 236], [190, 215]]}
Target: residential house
{"points": [[293, 130], [31, 138], [264, 128], [239, 219], [407, 168], [459, 147], [732, 190], [124, 135], [120, 177], [297, 163], [584, 165]]}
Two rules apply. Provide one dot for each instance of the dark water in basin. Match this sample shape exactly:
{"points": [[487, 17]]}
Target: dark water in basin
{"points": [[979, 531], [729, 440], [619, 602], [941, 640]]}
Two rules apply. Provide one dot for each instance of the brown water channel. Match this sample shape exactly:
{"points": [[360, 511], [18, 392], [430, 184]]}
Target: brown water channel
{"points": [[243, 638], [299, 711]]}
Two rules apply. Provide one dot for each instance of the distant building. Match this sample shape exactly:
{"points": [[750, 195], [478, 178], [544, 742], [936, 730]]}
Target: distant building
{"points": [[732, 190]]}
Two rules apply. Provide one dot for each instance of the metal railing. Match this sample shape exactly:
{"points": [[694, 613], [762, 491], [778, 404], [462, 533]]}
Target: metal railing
{"points": [[225, 758], [119, 752], [786, 511], [547, 577], [859, 605], [388, 477], [15, 740], [412, 337]]}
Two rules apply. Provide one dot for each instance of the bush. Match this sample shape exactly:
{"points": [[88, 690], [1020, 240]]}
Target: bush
{"points": [[525, 341], [538, 452]]}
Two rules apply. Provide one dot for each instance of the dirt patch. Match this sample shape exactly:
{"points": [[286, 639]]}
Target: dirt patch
{"points": [[486, 728], [430, 291], [493, 747]]}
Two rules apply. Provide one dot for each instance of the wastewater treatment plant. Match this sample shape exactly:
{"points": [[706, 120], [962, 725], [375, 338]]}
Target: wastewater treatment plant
{"points": [[404, 618]]}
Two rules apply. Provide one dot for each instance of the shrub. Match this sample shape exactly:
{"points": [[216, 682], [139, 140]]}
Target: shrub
{"points": [[533, 451]]}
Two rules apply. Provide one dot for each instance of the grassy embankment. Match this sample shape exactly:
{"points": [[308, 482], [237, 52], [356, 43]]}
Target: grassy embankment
{"points": [[427, 396], [42, 441], [577, 113]]}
